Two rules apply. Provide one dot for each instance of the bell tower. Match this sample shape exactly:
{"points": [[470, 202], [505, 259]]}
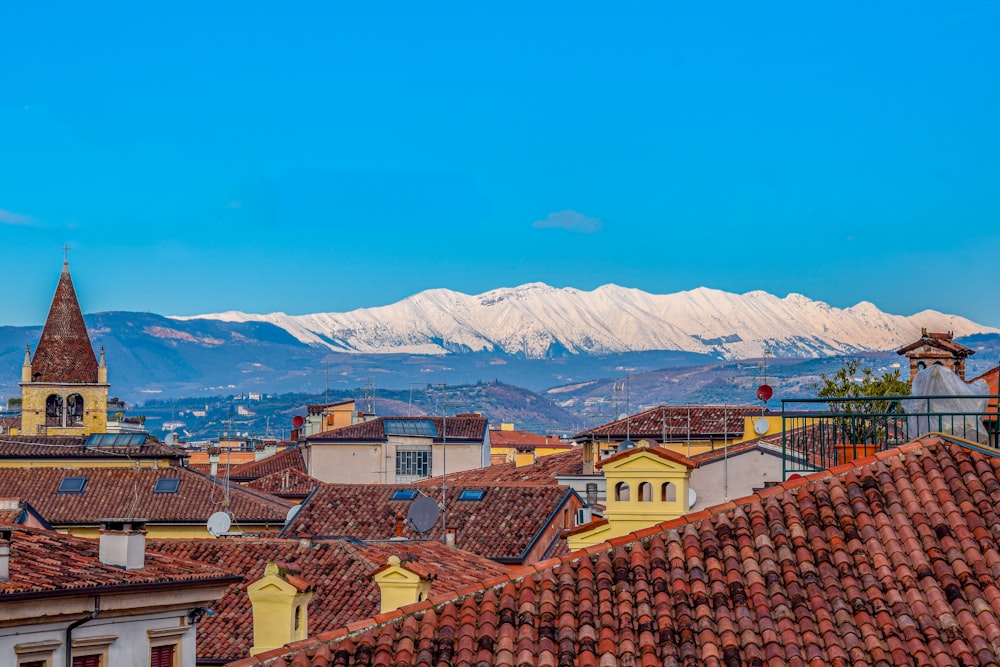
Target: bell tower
{"points": [[64, 388]]}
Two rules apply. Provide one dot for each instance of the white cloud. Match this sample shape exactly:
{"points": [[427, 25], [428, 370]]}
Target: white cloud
{"points": [[571, 221], [11, 218]]}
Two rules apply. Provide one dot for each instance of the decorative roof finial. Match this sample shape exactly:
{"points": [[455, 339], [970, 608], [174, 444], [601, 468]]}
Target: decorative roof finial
{"points": [[65, 250]]}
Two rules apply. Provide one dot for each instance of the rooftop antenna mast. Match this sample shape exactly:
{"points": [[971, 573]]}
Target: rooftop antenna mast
{"points": [[444, 463]]}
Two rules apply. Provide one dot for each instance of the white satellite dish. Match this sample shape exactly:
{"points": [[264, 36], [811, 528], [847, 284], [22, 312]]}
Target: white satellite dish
{"points": [[761, 426], [219, 523], [292, 511], [692, 497]]}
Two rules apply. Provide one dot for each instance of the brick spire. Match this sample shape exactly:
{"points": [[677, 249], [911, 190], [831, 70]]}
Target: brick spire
{"points": [[64, 353]]}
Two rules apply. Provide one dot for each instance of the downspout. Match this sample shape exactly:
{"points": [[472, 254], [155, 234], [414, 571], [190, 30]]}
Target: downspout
{"points": [[74, 625]]}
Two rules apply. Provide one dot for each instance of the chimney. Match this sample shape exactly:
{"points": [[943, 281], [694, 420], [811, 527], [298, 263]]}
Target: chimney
{"points": [[259, 452], [5, 536], [123, 543], [449, 536], [400, 585], [525, 456], [399, 526], [591, 493], [213, 461], [280, 601]]}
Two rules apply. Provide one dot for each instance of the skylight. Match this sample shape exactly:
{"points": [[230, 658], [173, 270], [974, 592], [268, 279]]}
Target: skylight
{"points": [[166, 485], [423, 427], [403, 494], [72, 485], [116, 440], [472, 494]]}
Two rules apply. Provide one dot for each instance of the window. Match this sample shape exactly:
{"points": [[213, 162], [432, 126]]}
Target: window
{"points": [[74, 410], [423, 427], [621, 492], [403, 494], [162, 656], [472, 494], [645, 492], [70, 485], [54, 410], [33, 663], [668, 492], [166, 485], [87, 661], [413, 463]]}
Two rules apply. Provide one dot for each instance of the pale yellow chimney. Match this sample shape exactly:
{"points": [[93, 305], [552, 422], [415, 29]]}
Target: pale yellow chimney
{"points": [[402, 585], [280, 608]]}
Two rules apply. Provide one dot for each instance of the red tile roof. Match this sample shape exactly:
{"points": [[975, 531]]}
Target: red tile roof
{"points": [[661, 452], [64, 353], [285, 484], [892, 560], [339, 571], [460, 427], [503, 526], [942, 341], [46, 563], [288, 459], [542, 471], [116, 493], [673, 422], [501, 438], [72, 448]]}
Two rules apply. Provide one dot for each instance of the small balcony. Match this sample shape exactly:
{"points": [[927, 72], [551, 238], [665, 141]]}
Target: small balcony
{"points": [[820, 433]]}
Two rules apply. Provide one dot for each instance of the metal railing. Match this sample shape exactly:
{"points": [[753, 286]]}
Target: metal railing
{"points": [[820, 433]]}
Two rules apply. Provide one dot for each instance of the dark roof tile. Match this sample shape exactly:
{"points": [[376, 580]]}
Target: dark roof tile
{"points": [[64, 353]]}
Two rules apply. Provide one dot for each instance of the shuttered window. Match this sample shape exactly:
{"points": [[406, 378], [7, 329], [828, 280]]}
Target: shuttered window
{"points": [[87, 661], [162, 656], [33, 663]]}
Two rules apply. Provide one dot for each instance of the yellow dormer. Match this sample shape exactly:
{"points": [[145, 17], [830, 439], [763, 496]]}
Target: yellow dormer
{"points": [[280, 608], [400, 584], [646, 485]]}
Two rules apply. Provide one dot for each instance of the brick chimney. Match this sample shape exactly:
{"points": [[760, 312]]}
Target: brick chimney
{"points": [[123, 543]]}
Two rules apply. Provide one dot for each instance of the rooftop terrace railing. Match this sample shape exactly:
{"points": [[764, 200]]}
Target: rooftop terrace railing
{"points": [[820, 433]]}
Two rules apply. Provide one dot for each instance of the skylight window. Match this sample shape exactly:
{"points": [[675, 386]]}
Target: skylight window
{"points": [[166, 485], [472, 494], [423, 427], [403, 494], [72, 485]]}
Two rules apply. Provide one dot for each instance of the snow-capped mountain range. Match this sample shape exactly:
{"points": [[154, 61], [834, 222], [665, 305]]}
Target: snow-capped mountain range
{"points": [[537, 321]]}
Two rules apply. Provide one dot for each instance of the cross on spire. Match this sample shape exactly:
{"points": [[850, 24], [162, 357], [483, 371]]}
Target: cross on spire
{"points": [[65, 250]]}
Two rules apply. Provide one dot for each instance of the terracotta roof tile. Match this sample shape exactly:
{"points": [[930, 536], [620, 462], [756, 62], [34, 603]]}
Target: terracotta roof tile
{"points": [[339, 571], [49, 563], [64, 352], [501, 438], [285, 484], [113, 492], [892, 561], [461, 427], [542, 471], [287, 459], [72, 448], [503, 526], [673, 422]]}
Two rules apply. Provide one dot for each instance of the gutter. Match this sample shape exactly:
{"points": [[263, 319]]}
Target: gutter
{"points": [[75, 624]]}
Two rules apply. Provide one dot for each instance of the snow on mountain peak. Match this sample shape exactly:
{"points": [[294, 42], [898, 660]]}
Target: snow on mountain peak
{"points": [[537, 320]]}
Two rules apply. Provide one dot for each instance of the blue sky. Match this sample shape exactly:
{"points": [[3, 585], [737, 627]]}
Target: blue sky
{"points": [[200, 157]]}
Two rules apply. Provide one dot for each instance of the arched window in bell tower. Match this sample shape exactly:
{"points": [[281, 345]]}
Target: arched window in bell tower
{"points": [[54, 410], [74, 410]]}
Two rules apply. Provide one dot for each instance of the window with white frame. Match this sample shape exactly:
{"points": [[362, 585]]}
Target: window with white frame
{"points": [[413, 462]]}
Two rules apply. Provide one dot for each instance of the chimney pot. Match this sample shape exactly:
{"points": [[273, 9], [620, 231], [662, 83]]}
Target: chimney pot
{"points": [[123, 543]]}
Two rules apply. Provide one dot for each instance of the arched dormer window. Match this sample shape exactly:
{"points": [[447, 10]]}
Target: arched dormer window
{"points": [[621, 492], [74, 410], [668, 492], [645, 492], [54, 410]]}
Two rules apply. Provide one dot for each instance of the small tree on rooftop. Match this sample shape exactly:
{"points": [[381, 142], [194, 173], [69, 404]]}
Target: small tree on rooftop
{"points": [[852, 389]]}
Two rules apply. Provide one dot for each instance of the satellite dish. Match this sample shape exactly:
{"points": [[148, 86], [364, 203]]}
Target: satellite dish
{"points": [[761, 426], [298, 421], [764, 392], [219, 523], [423, 514], [625, 446], [292, 511], [692, 497]]}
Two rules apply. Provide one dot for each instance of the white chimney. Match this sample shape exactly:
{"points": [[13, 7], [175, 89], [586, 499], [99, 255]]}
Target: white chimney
{"points": [[123, 544], [5, 554], [213, 462]]}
